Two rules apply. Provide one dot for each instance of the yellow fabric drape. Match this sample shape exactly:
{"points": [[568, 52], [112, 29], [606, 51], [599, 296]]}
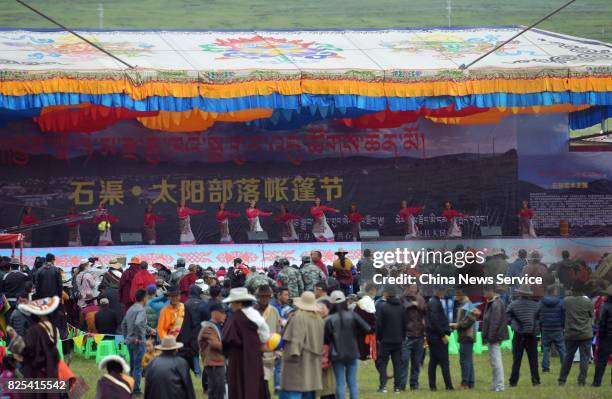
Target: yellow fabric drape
{"points": [[308, 86]]}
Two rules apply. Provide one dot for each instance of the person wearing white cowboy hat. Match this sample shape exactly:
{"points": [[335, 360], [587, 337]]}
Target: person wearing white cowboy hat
{"points": [[343, 270], [113, 275], [242, 345], [168, 374], [41, 358], [303, 349], [116, 383]]}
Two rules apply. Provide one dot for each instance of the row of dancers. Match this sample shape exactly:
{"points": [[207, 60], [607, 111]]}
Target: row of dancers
{"points": [[321, 229]]}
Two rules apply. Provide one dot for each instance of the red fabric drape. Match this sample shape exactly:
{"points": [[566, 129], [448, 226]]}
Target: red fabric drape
{"points": [[9, 238], [84, 118], [391, 119]]}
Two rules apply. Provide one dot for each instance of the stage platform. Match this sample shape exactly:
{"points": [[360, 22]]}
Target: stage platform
{"points": [[259, 255]]}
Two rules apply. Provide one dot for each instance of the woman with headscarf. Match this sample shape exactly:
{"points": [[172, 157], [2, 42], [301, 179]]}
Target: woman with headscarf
{"points": [[86, 283]]}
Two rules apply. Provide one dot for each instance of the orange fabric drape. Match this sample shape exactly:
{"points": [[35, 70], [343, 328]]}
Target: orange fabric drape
{"points": [[196, 120]]}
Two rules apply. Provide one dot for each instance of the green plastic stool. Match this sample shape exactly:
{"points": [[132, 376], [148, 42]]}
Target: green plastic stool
{"points": [[60, 349], [122, 350], [105, 348], [453, 345], [90, 350], [478, 347], [507, 344]]}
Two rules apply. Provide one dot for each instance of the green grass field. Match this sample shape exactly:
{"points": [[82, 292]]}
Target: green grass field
{"points": [[586, 18], [368, 382]]}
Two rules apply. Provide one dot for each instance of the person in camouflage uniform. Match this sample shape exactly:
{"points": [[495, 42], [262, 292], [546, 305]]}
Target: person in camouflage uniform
{"points": [[311, 274], [256, 280], [179, 272], [291, 278]]}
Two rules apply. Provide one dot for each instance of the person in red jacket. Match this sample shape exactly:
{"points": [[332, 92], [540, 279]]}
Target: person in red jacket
{"points": [[142, 280], [451, 215], [184, 216], [150, 223], [526, 215], [407, 214], [320, 229], [253, 215], [104, 220], [125, 283], [27, 219], [222, 218], [187, 281], [286, 219], [355, 218]]}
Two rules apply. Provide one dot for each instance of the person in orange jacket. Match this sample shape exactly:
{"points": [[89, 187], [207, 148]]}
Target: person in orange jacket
{"points": [[172, 315]]}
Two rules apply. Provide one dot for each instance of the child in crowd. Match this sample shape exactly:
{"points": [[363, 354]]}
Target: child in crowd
{"points": [[149, 355]]}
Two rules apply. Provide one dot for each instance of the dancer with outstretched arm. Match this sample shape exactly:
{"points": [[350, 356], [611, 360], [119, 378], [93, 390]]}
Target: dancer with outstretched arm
{"points": [[320, 229], [407, 213], [184, 216], [222, 216], [285, 219], [451, 215]]}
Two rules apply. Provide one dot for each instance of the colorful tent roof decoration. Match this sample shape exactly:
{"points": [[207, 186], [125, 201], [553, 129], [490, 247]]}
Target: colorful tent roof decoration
{"points": [[370, 70]]}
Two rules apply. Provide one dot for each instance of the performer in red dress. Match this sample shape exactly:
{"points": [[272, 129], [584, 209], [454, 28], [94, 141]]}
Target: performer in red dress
{"points": [[222, 218], [286, 219], [150, 224], [526, 215], [74, 228], [104, 220], [355, 218], [451, 215], [253, 215], [184, 216], [407, 213], [27, 219], [320, 229]]}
